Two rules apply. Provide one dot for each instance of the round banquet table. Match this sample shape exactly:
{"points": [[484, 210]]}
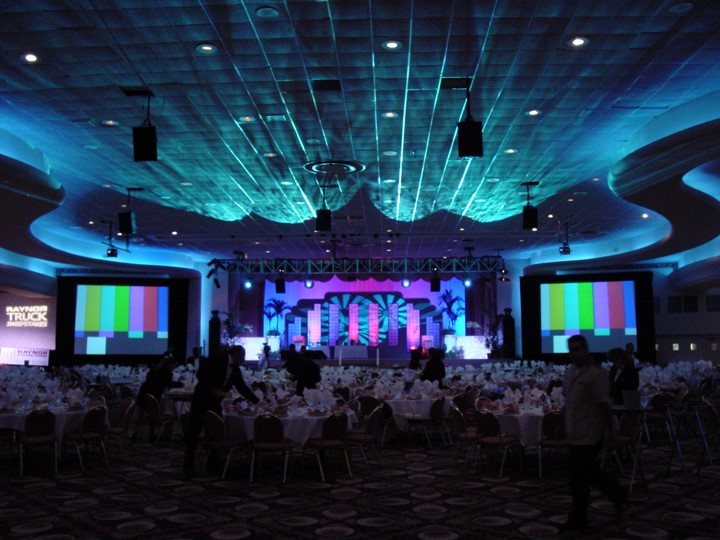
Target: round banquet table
{"points": [[412, 408], [298, 429], [65, 421], [526, 427]]}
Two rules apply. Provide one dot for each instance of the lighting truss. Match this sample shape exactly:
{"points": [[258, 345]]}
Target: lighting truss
{"points": [[358, 267]]}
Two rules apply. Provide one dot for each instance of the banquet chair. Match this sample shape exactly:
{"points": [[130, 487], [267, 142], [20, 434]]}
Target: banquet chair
{"points": [[388, 422], [126, 392], [433, 423], [552, 435], [710, 418], [367, 405], [92, 431], [121, 430], [269, 438], [490, 436], [39, 431], [217, 439], [152, 416], [342, 392], [629, 438], [334, 435], [460, 432], [369, 435]]}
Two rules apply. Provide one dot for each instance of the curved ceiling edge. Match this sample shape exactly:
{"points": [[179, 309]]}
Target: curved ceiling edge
{"points": [[652, 177]]}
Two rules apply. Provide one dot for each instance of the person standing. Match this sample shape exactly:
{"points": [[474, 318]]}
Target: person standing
{"points": [[215, 377], [196, 359], [587, 416]]}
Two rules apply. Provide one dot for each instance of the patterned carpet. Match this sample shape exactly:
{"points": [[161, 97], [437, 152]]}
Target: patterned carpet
{"points": [[417, 493]]}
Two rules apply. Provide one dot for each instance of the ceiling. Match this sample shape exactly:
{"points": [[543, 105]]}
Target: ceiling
{"points": [[299, 82]]}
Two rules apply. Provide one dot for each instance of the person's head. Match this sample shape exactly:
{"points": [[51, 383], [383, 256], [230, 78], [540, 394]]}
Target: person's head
{"points": [[617, 356], [630, 348], [578, 348], [237, 354], [434, 354], [291, 347]]}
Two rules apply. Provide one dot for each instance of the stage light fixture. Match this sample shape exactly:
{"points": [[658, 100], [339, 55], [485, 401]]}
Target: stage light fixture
{"points": [[309, 283], [405, 282], [470, 137], [564, 243], [565, 249], [467, 282], [247, 284], [530, 212], [111, 252], [504, 274]]}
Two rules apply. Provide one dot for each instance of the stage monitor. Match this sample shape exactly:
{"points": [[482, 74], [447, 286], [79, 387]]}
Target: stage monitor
{"points": [[609, 309]]}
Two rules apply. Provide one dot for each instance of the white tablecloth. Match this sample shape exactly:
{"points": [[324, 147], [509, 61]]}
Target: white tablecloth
{"points": [[417, 408], [298, 429], [65, 422], [527, 427]]}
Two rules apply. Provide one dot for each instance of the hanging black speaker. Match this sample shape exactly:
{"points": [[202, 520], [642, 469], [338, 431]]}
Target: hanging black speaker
{"points": [[144, 143], [470, 139], [280, 286], [126, 223], [435, 284], [323, 222], [530, 217]]}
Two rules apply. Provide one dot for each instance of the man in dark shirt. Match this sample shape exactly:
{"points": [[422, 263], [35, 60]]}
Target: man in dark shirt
{"points": [[307, 375], [434, 367], [215, 377]]}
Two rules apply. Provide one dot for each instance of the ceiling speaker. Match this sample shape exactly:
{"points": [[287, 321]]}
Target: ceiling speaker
{"points": [[323, 222], [530, 217], [126, 223], [435, 284], [144, 143], [470, 139]]}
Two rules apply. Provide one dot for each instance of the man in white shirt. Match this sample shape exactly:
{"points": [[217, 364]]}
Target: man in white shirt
{"points": [[587, 416]]}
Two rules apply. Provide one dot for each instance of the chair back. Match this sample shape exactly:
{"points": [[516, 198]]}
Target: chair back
{"points": [[334, 427], [660, 401], [343, 392], [437, 409], [460, 401], [553, 426], [268, 428], [471, 395], [40, 423], [458, 424], [214, 427], [368, 404], [94, 420], [126, 392], [150, 403], [374, 423], [488, 425]]}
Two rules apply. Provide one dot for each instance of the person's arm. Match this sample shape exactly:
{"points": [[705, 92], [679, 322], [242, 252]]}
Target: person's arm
{"points": [[239, 383]]}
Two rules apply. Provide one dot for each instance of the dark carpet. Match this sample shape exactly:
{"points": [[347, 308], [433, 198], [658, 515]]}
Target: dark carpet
{"points": [[417, 493]]}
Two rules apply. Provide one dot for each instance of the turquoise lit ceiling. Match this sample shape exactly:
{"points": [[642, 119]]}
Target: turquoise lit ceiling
{"points": [[296, 82]]}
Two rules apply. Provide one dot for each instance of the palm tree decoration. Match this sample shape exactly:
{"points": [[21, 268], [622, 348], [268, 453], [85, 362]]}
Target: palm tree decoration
{"points": [[452, 308], [274, 310]]}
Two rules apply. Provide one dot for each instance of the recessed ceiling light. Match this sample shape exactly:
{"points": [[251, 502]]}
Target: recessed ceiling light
{"points": [[645, 215], [267, 251], [186, 183], [270, 154], [462, 228], [209, 204], [109, 123], [392, 45], [681, 7], [596, 179], [123, 205], [165, 197], [578, 41], [521, 240], [91, 222], [107, 185], [492, 180], [286, 183], [388, 201], [534, 229], [510, 151], [174, 233], [550, 216], [388, 241], [180, 243], [480, 200], [267, 12], [299, 202], [571, 200], [206, 49], [390, 114], [257, 243], [390, 153], [30, 58], [327, 251], [246, 119], [533, 112], [389, 180], [313, 141]]}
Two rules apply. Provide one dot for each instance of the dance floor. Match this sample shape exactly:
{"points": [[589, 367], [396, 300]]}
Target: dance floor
{"points": [[416, 493]]}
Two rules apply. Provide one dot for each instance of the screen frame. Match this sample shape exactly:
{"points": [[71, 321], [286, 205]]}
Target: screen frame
{"points": [[530, 305], [178, 289]]}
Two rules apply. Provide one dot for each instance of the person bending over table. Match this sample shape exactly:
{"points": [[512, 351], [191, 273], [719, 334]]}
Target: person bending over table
{"points": [[434, 368], [216, 377]]}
